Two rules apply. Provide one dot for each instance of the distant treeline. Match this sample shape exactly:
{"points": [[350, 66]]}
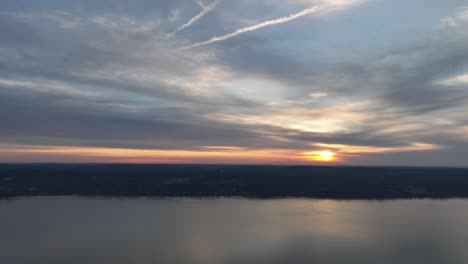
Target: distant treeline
{"points": [[231, 180]]}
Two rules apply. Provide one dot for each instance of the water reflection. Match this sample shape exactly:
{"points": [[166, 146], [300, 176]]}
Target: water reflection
{"points": [[127, 231]]}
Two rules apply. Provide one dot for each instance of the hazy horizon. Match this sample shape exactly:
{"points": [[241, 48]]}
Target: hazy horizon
{"points": [[331, 165]]}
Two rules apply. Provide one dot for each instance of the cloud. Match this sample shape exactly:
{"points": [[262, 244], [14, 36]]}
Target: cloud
{"points": [[39, 85], [361, 82], [174, 15], [412, 77], [455, 80], [215, 155], [352, 149]]}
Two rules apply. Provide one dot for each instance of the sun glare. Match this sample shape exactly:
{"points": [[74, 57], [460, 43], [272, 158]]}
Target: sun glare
{"points": [[321, 155]]}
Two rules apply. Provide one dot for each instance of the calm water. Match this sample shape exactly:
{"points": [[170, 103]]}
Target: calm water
{"points": [[118, 231]]}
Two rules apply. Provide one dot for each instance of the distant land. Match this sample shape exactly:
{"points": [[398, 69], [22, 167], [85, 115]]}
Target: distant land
{"points": [[125, 180]]}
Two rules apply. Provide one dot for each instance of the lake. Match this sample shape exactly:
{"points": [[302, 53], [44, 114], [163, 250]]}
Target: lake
{"points": [[76, 230]]}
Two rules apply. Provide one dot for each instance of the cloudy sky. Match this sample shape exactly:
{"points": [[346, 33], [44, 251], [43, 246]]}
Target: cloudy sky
{"points": [[349, 82]]}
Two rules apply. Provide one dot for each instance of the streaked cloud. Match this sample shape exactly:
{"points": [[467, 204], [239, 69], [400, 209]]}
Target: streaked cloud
{"points": [[456, 80], [125, 155], [353, 149]]}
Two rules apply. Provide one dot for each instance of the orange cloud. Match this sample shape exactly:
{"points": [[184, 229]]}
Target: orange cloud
{"points": [[209, 154], [355, 149]]}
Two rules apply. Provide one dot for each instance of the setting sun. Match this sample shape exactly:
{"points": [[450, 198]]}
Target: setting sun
{"points": [[326, 155], [321, 155]]}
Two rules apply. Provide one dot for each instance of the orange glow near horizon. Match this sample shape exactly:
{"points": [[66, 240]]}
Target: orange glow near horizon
{"points": [[208, 154], [329, 153]]}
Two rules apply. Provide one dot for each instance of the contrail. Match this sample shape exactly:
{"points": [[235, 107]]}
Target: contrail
{"points": [[200, 3], [206, 10], [326, 6], [258, 26]]}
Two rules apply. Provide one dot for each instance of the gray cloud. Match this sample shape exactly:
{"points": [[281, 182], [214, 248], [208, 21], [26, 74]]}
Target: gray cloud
{"points": [[80, 73]]}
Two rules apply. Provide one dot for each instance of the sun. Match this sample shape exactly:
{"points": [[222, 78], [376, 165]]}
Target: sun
{"points": [[324, 155]]}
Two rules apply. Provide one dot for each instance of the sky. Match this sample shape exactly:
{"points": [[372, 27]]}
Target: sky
{"points": [[339, 82]]}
